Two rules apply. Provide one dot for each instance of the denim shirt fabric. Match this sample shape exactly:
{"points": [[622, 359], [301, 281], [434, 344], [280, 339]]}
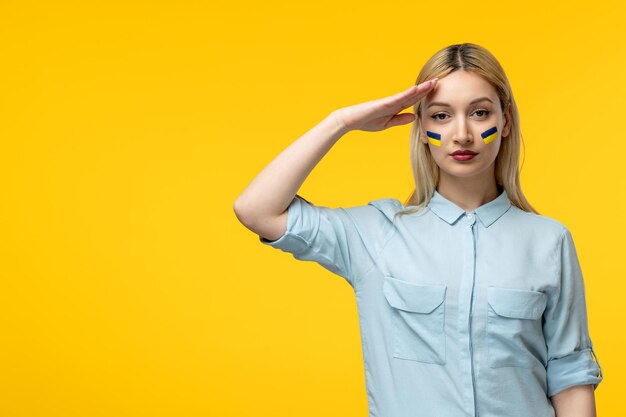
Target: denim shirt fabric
{"points": [[461, 313]]}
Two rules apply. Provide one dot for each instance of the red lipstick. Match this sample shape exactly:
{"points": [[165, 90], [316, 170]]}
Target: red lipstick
{"points": [[463, 155]]}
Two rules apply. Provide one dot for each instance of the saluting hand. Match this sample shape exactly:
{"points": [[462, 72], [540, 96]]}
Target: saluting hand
{"points": [[380, 114]]}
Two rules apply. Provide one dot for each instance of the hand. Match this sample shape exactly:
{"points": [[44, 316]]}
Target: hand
{"points": [[376, 115]]}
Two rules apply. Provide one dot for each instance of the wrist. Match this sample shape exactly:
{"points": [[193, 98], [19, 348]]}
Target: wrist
{"points": [[338, 124]]}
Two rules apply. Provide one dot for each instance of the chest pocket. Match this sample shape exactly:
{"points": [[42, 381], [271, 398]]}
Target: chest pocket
{"points": [[514, 327], [418, 320]]}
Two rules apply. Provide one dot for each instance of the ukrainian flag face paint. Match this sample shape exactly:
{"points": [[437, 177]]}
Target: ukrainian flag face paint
{"points": [[490, 135], [434, 138]]}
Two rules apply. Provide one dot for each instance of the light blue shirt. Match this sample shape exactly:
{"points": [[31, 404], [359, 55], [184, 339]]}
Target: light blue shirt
{"points": [[462, 313]]}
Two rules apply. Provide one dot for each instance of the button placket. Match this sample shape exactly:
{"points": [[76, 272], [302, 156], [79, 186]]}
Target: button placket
{"points": [[466, 299]]}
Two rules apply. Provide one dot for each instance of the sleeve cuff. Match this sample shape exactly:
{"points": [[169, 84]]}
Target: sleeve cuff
{"points": [[578, 368], [300, 223]]}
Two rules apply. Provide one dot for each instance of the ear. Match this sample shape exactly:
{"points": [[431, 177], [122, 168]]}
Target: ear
{"points": [[507, 121], [422, 137]]}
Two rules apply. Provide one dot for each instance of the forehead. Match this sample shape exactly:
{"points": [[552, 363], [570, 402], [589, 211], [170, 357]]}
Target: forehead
{"points": [[460, 88]]}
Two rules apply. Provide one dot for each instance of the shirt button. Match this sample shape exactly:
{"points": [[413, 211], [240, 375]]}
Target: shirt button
{"points": [[470, 215]]}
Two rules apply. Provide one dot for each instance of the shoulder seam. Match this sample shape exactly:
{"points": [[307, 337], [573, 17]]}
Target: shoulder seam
{"points": [[538, 216], [386, 240], [558, 251]]}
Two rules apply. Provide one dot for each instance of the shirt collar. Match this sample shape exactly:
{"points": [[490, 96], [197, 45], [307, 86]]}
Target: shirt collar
{"points": [[487, 213]]}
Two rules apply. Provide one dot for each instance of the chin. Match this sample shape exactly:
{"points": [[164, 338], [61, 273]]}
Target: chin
{"points": [[464, 171]]}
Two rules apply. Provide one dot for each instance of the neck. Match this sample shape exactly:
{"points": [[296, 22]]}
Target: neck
{"points": [[468, 193]]}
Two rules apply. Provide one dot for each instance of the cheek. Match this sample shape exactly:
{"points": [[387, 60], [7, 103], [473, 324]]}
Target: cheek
{"points": [[433, 137], [489, 135]]}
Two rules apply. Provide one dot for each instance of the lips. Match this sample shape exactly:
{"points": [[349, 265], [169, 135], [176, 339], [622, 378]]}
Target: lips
{"points": [[463, 152]]}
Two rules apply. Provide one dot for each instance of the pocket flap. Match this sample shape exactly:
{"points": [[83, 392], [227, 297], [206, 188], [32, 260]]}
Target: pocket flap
{"points": [[519, 304], [418, 298]]}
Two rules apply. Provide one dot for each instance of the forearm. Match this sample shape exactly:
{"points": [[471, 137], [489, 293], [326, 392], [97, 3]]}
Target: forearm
{"points": [[271, 191], [576, 401]]}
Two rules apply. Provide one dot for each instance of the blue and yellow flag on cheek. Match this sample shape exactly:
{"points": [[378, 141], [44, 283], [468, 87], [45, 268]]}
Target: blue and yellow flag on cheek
{"points": [[434, 138], [490, 135]]}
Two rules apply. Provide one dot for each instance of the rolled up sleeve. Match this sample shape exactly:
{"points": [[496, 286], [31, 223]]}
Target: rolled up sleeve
{"points": [[571, 356], [345, 241]]}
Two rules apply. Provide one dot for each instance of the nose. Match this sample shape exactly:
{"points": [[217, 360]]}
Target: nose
{"points": [[462, 134]]}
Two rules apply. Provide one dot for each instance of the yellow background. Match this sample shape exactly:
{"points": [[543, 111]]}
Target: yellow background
{"points": [[128, 129]]}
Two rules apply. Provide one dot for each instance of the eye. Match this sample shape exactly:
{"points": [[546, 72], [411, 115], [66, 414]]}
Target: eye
{"points": [[483, 113]]}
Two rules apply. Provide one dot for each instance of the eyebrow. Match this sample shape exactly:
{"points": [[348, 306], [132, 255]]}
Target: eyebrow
{"points": [[436, 103]]}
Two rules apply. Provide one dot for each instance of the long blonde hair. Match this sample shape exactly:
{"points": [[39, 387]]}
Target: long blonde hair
{"points": [[474, 58]]}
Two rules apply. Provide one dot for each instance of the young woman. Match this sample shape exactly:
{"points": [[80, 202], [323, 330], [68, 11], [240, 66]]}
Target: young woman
{"points": [[470, 302]]}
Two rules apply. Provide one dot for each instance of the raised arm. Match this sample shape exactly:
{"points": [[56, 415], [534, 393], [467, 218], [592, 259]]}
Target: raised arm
{"points": [[262, 206]]}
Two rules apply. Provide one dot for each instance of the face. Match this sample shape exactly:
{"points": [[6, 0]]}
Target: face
{"points": [[463, 113]]}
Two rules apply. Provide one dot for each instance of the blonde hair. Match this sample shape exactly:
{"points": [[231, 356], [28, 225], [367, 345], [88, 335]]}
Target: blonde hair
{"points": [[476, 59]]}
